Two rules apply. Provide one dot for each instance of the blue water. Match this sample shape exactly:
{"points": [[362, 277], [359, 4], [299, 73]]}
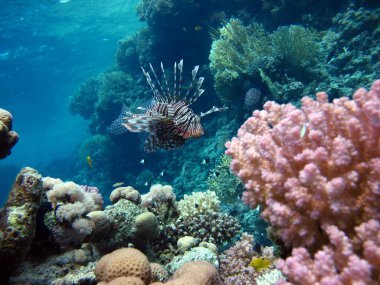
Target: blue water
{"points": [[47, 49]]}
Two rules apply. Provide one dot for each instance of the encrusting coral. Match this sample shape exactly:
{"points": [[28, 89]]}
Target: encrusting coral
{"points": [[8, 138], [316, 172]]}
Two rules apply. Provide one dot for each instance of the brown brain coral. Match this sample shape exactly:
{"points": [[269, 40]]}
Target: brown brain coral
{"points": [[198, 272], [125, 262], [126, 281]]}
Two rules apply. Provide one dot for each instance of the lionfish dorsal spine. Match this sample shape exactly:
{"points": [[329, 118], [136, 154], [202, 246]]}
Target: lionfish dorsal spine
{"points": [[166, 83], [193, 75], [160, 90], [175, 81], [198, 91], [156, 93], [180, 67]]}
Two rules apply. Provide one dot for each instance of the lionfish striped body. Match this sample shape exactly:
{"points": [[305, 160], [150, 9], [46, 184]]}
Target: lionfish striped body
{"points": [[168, 120]]}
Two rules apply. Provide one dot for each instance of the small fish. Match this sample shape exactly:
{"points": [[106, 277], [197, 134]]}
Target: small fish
{"points": [[163, 173], [117, 184], [196, 205], [146, 184], [89, 161], [142, 161], [206, 160], [64, 1], [198, 28], [303, 130]]}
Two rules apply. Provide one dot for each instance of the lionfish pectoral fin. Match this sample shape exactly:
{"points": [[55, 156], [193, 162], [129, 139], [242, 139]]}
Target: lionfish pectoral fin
{"points": [[213, 110], [117, 127], [140, 123]]}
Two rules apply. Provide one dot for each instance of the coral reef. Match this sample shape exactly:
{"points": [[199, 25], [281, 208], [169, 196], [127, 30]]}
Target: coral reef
{"points": [[225, 184], [18, 220], [8, 138], [70, 205], [128, 262], [315, 171], [69, 268], [236, 262]]}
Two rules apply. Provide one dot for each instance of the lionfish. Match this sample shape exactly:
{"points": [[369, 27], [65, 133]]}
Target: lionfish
{"points": [[168, 119]]}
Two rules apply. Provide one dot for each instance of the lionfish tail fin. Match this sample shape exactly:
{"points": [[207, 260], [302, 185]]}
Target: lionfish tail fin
{"points": [[213, 110], [117, 127]]}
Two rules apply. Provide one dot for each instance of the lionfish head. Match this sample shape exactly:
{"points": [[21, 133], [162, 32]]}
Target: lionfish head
{"points": [[195, 129]]}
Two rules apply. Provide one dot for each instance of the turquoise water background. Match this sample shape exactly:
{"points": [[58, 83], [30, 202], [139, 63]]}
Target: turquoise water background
{"points": [[47, 49]]}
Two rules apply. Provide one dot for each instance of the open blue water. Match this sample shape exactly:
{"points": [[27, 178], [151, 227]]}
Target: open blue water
{"points": [[47, 49]]}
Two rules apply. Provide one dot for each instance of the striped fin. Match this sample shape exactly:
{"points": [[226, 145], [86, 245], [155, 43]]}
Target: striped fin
{"points": [[141, 123], [166, 83], [213, 110], [175, 81], [116, 127], [193, 75], [180, 67], [161, 90], [156, 94], [198, 91]]}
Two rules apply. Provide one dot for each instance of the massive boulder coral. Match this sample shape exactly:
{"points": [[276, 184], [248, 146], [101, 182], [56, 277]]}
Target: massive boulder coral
{"points": [[316, 173], [18, 220], [131, 266], [8, 138]]}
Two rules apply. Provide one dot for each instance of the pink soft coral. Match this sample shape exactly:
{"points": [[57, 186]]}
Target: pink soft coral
{"points": [[316, 172]]}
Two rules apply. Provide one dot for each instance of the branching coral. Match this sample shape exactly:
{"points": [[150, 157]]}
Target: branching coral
{"points": [[316, 172], [235, 263], [198, 203]]}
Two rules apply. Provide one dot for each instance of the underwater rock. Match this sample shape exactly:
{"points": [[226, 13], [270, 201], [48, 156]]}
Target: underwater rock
{"points": [[18, 220], [69, 268], [8, 138]]}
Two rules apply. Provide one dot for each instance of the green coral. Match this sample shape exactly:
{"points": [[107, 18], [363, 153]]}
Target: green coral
{"points": [[225, 184], [239, 51], [297, 46], [248, 55]]}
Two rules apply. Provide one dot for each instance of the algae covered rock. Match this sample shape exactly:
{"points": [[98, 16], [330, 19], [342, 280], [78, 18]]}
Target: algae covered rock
{"points": [[18, 220]]}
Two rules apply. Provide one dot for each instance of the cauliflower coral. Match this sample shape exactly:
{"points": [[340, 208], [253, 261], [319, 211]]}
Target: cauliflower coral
{"points": [[316, 173]]}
